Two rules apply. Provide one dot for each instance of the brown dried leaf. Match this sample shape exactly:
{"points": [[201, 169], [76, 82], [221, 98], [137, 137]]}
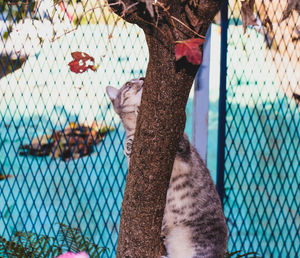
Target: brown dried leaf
{"points": [[4, 177], [193, 19], [247, 12], [292, 5], [296, 32], [149, 6]]}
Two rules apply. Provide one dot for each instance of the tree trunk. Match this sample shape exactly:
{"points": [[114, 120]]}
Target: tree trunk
{"points": [[160, 125]]}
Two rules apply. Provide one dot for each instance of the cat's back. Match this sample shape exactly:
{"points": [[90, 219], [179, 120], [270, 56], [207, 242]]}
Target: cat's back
{"points": [[193, 217]]}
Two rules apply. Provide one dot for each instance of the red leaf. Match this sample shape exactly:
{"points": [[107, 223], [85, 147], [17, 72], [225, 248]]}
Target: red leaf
{"points": [[190, 48], [82, 55], [81, 62], [194, 57], [75, 67]]}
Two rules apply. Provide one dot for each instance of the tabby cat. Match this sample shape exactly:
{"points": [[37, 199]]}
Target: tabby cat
{"points": [[193, 224]]}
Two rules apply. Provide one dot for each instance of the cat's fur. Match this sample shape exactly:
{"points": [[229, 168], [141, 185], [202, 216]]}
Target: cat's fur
{"points": [[193, 224]]}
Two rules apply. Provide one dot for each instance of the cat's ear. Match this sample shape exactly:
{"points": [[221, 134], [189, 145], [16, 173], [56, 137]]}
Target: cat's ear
{"points": [[112, 92]]}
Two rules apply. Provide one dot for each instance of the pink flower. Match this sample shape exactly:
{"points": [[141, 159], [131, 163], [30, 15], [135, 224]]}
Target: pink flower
{"points": [[74, 255]]}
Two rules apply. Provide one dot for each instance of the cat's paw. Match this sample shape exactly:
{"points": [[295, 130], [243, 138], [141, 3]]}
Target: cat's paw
{"points": [[164, 231]]}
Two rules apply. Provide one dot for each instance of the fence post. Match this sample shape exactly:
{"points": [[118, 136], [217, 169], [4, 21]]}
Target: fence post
{"points": [[222, 103], [201, 101]]}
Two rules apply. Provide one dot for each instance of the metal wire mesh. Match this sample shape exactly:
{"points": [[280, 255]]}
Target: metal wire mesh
{"points": [[262, 157], [43, 97]]}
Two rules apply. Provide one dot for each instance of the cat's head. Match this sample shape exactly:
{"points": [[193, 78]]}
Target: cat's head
{"points": [[128, 98]]}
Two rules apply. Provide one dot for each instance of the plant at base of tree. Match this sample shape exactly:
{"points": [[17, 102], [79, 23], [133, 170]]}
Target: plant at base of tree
{"points": [[29, 244]]}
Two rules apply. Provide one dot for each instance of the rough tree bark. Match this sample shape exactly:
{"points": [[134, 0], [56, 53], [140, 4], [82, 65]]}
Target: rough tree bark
{"points": [[162, 117]]}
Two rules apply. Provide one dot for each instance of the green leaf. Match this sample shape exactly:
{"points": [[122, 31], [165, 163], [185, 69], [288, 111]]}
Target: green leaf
{"points": [[29, 244]]}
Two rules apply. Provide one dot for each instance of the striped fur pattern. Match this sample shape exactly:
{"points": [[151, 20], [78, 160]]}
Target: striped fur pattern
{"points": [[193, 224], [126, 102]]}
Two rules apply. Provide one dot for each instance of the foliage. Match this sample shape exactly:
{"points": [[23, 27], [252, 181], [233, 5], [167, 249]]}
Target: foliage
{"points": [[16, 10], [4, 177], [249, 18], [75, 242], [247, 12], [292, 5], [12, 249], [149, 6], [28, 244], [190, 49], [36, 245], [75, 141], [93, 12]]}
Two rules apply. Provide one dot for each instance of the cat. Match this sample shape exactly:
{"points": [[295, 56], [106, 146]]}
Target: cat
{"points": [[193, 223]]}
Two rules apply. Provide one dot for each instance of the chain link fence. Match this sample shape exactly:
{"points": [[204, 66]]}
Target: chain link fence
{"points": [[61, 150], [261, 144]]}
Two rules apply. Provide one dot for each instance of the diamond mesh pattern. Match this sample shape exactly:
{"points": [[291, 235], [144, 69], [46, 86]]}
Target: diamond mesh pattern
{"points": [[45, 96], [262, 157]]}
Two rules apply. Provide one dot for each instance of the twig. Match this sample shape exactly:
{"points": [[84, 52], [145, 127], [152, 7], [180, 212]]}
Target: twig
{"points": [[125, 8], [25, 10], [157, 3], [152, 24], [183, 24]]}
